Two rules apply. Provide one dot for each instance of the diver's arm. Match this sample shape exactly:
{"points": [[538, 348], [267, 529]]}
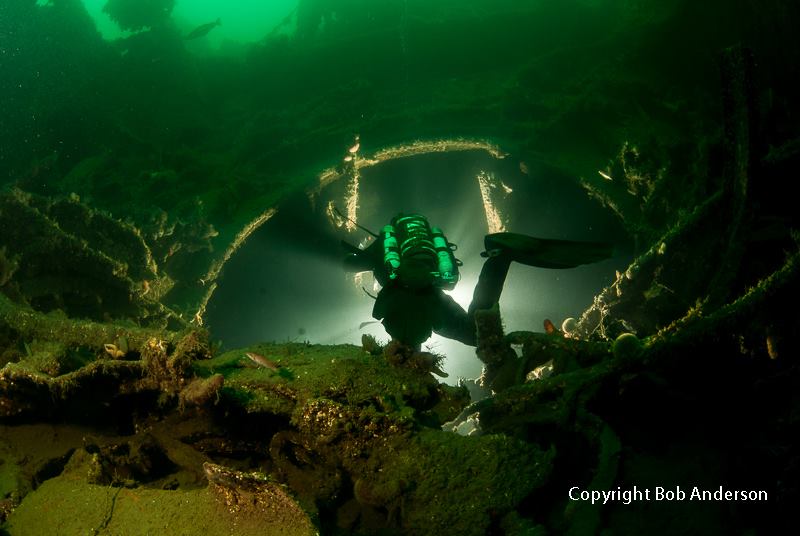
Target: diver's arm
{"points": [[362, 260]]}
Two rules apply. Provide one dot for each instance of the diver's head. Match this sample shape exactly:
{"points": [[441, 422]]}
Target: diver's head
{"points": [[407, 315]]}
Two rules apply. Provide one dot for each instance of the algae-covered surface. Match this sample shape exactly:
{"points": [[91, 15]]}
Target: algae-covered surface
{"points": [[150, 150], [352, 437], [344, 374], [68, 505]]}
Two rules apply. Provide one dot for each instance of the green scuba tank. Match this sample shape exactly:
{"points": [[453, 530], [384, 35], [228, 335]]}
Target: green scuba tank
{"points": [[411, 239], [448, 264], [391, 251]]}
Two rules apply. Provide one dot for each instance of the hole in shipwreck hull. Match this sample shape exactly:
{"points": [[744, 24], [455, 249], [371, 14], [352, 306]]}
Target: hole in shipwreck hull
{"points": [[286, 283]]}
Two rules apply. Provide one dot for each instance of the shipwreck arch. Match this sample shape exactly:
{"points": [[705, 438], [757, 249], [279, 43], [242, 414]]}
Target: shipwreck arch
{"points": [[282, 278], [330, 176]]}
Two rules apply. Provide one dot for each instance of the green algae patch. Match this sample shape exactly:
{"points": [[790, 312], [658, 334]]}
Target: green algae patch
{"points": [[67, 505], [77, 502], [451, 484], [345, 374]]}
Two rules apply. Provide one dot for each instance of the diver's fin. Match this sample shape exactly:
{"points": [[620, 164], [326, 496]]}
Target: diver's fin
{"points": [[545, 252]]}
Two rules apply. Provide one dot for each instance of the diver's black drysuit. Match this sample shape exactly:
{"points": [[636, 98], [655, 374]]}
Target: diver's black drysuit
{"points": [[410, 315], [411, 312]]}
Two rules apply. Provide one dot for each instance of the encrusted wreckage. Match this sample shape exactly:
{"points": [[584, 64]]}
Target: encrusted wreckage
{"points": [[109, 401]]}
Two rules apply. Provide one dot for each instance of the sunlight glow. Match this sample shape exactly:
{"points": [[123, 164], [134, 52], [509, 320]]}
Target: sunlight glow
{"points": [[462, 294], [242, 21]]}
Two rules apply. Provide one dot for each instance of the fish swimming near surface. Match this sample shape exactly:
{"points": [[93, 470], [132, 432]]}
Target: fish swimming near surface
{"points": [[261, 361], [202, 30]]}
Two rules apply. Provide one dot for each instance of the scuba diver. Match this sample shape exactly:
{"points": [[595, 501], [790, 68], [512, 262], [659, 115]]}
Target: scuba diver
{"points": [[414, 263]]}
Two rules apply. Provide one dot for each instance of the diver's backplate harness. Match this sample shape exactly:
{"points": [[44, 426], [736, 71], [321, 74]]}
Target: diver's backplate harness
{"points": [[410, 238]]}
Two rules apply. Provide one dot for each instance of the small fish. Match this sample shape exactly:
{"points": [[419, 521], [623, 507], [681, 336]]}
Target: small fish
{"points": [[354, 149], [202, 30], [605, 175], [523, 167], [261, 361]]}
